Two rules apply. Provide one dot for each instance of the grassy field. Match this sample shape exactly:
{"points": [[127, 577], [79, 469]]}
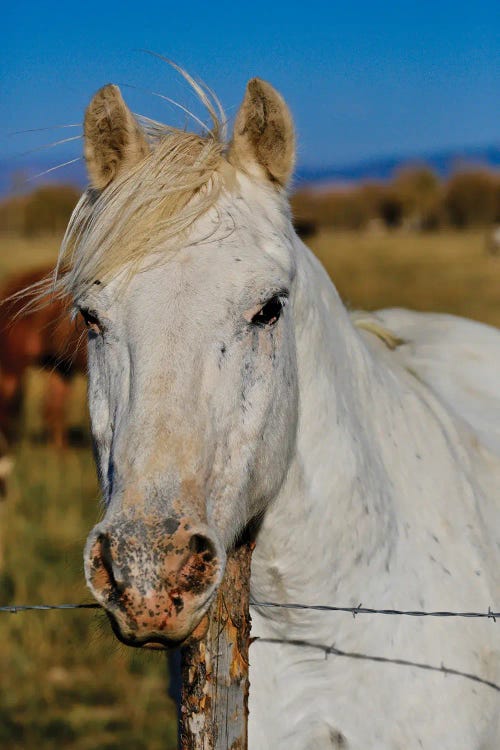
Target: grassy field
{"points": [[445, 272], [65, 682]]}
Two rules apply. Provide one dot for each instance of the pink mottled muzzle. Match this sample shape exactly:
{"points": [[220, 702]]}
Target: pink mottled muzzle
{"points": [[155, 579]]}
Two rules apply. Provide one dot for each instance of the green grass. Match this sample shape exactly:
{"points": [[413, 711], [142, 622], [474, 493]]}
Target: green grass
{"points": [[65, 682]]}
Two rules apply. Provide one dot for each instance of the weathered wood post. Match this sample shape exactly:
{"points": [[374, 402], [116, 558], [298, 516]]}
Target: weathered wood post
{"points": [[214, 713]]}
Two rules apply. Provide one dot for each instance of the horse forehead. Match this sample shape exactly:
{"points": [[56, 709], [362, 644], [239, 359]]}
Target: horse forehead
{"points": [[250, 224], [248, 251], [215, 274]]}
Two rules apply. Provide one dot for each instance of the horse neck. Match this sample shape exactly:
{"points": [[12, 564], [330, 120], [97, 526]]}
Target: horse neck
{"points": [[333, 516]]}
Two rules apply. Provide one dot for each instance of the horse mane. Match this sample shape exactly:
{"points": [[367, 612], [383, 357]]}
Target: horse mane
{"points": [[369, 322], [148, 210]]}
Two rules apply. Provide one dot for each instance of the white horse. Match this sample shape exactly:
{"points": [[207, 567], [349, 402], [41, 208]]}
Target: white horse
{"points": [[228, 383]]}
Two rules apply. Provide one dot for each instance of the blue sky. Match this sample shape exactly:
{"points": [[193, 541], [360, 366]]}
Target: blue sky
{"points": [[362, 79]]}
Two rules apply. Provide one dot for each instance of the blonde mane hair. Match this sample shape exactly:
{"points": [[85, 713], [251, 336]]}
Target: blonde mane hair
{"points": [[369, 322], [153, 204]]}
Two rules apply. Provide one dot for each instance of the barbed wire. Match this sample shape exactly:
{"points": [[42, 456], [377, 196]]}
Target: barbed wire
{"points": [[333, 650], [14, 609], [360, 610], [328, 650], [354, 611]]}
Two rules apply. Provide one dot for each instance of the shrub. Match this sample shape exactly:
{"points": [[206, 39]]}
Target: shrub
{"points": [[472, 198], [415, 198], [420, 194]]}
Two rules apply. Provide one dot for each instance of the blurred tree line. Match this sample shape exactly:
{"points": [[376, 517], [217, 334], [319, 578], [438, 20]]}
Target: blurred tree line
{"points": [[46, 210], [414, 199]]}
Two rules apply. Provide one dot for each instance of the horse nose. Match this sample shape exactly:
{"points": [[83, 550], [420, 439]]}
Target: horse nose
{"points": [[155, 580]]}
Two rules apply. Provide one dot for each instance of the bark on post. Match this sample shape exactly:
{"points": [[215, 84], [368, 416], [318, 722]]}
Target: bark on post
{"points": [[214, 713]]}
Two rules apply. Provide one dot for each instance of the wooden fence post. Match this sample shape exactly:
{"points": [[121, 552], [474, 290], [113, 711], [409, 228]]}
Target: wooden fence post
{"points": [[214, 712]]}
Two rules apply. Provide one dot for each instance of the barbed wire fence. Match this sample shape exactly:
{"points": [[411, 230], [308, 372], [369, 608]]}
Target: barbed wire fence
{"points": [[354, 611], [330, 649]]}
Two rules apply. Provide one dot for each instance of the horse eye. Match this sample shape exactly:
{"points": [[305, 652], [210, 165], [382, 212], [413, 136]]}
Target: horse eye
{"points": [[269, 314], [91, 320]]}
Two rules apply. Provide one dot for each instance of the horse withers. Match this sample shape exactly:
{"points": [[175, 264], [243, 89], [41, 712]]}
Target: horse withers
{"points": [[228, 386]]}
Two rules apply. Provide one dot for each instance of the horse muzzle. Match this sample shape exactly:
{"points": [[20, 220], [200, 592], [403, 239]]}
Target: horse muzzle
{"points": [[155, 580]]}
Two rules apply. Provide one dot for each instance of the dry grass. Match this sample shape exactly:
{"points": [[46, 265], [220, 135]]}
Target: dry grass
{"points": [[446, 271], [18, 254], [65, 682]]}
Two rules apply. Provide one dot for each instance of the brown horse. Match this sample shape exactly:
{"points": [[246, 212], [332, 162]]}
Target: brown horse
{"points": [[36, 337]]}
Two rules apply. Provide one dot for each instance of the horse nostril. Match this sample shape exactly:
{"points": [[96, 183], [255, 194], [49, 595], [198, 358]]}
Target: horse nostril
{"points": [[104, 542], [202, 545]]}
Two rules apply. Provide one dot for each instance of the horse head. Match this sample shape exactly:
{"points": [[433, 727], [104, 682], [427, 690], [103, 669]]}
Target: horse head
{"points": [[180, 261]]}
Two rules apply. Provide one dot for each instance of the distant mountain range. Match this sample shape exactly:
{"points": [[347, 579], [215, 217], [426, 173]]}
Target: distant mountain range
{"points": [[23, 174], [443, 163]]}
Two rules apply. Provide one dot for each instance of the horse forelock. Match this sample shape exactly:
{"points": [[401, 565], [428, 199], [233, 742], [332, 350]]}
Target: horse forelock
{"points": [[153, 205], [149, 208]]}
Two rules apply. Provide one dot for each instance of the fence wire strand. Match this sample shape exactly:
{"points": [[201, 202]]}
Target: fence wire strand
{"points": [[360, 610], [328, 650], [354, 611], [333, 650], [14, 609]]}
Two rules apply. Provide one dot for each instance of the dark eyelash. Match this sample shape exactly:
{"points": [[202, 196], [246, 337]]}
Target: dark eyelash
{"points": [[90, 319], [269, 314]]}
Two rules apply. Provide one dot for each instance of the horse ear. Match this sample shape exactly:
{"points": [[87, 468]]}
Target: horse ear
{"points": [[114, 142], [264, 140]]}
